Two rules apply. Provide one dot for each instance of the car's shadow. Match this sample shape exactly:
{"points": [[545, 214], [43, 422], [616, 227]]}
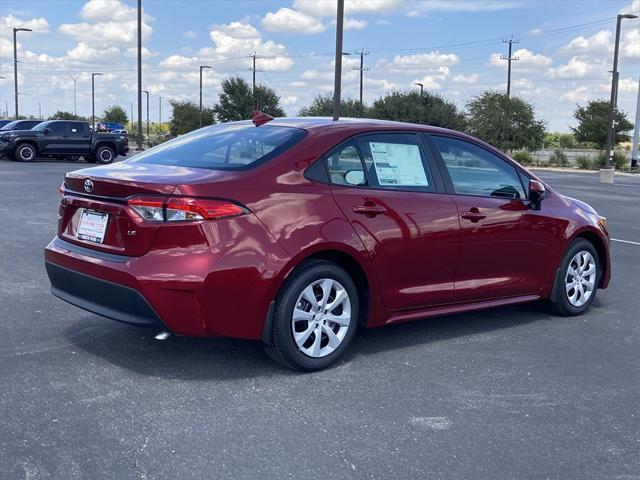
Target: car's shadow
{"points": [[186, 358]]}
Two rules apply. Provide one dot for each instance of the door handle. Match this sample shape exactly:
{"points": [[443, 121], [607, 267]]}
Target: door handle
{"points": [[473, 215], [369, 209]]}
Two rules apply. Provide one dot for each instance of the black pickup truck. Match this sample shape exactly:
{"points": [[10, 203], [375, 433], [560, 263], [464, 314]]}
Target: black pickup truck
{"points": [[62, 139]]}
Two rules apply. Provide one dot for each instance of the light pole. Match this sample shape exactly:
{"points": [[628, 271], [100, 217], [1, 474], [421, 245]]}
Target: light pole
{"points": [[337, 84], [202, 67], [2, 78], [606, 174], [160, 115], [148, 138], [93, 100], [636, 132], [75, 80], [139, 133], [15, 63], [421, 85]]}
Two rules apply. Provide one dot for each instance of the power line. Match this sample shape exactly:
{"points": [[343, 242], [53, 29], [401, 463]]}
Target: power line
{"points": [[509, 59]]}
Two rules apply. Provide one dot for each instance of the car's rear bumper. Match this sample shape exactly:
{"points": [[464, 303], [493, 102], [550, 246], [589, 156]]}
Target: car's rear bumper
{"points": [[99, 296]]}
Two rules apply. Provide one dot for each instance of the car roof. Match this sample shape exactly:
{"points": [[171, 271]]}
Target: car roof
{"points": [[355, 124]]}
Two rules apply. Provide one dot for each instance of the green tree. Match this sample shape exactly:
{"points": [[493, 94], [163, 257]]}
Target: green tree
{"points": [[410, 107], [62, 115], [237, 101], [322, 106], [115, 114], [507, 123], [592, 123], [186, 117]]}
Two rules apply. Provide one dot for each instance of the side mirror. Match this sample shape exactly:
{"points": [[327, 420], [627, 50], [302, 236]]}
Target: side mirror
{"points": [[354, 177], [536, 193], [46, 131]]}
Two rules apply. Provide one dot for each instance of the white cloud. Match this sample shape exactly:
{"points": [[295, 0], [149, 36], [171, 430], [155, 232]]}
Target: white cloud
{"points": [[108, 23], [462, 5], [466, 79], [354, 24], [527, 60], [600, 42], [577, 67], [85, 53], [178, 61], [627, 85], [631, 43], [323, 8], [286, 20], [423, 61], [579, 94], [290, 100], [189, 35], [7, 23]]}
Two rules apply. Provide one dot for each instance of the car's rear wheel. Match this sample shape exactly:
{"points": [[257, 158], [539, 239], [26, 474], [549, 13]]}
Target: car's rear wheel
{"points": [[577, 279], [315, 317], [25, 152], [105, 155]]}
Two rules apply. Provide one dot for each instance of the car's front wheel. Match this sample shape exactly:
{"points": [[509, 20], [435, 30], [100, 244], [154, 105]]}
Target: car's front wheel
{"points": [[577, 279], [25, 152], [315, 317]]}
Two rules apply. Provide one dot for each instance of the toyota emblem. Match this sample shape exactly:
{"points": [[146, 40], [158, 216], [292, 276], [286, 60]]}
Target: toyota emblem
{"points": [[88, 186]]}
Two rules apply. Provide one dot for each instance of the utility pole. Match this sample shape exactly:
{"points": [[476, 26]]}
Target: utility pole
{"points": [[509, 59], [93, 101], [3, 78], [201, 68], [607, 174], [636, 133], [159, 115], [75, 79], [15, 63], [40, 110], [253, 68], [362, 68], [421, 85], [139, 133], [337, 85], [148, 137], [131, 118]]}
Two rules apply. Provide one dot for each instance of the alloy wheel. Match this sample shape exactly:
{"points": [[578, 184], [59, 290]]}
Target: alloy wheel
{"points": [[580, 279], [321, 317]]}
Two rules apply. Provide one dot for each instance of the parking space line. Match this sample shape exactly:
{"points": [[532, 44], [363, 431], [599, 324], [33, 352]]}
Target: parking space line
{"points": [[625, 241]]}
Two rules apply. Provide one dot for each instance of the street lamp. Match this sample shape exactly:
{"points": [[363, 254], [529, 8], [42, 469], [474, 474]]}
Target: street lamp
{"points": [[606, 174], [15, 63], [148, 138], [421, 85], [201, 68], [93, 100]]}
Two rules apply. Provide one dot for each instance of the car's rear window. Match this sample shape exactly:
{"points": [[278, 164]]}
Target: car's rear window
{"points": [[224, 147]]}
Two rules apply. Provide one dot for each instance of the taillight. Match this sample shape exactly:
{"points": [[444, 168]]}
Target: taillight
{"points": [[181, 209], [62, 188]]}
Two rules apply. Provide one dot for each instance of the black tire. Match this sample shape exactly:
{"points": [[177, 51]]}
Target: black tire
{"points": [[25, 152], [283, 348], [105, 155], [560, 297]]}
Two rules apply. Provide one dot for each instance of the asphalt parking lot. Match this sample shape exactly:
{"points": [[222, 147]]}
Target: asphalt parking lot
{"points": [[506, 393]]}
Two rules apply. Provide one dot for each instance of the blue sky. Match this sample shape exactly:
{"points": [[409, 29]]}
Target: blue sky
{"points": [[453, 47]]}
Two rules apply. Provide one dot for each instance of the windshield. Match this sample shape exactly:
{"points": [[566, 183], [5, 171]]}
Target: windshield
{"points": [[9, 125], [41, 126], [229, 146]]}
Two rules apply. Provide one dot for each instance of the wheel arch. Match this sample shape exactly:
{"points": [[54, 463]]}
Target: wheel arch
{"points": [[599, 244], [105, 143], [361, 274], [20, 141]]}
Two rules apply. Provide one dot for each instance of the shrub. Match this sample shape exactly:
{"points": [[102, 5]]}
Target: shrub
{"points": [[523, 157], [558, 158], [584, 163], [619, 160]]}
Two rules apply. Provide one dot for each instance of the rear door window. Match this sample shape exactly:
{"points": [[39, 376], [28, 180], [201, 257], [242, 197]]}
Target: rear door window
{"points": [[224, 147], [395, 161], [77, 129]]}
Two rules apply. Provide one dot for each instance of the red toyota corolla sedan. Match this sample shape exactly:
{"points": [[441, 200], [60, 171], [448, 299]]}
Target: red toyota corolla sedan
{"points": [[298, 231]]}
